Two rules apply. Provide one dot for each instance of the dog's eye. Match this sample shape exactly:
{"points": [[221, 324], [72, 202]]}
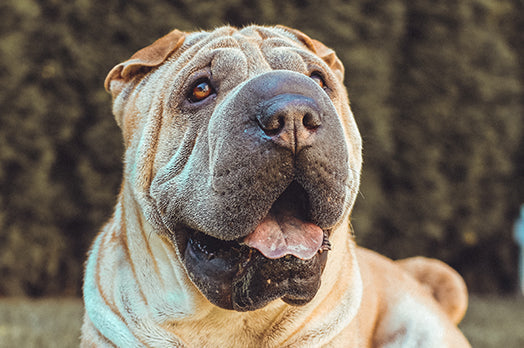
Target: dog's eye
{"points": [[200, 91], [318, 79]]}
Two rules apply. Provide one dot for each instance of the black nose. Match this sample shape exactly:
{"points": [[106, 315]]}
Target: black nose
{"points": [[290, 120]]}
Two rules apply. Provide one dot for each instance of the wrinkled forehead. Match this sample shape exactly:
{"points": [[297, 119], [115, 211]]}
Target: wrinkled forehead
{"points": [[254, 33], [255, 48]]}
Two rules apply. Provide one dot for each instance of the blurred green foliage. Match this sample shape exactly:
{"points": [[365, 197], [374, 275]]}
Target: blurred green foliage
{"points": [[436, 87]]}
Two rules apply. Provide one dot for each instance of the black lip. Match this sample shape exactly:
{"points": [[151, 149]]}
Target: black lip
{"points": [[234, 276], [213, 247], [294, 280], [212, 265]]}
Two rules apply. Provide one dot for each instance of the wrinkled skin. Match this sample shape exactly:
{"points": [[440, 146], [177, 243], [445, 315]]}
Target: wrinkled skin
{"points": [[242, 165], [226, 160]]}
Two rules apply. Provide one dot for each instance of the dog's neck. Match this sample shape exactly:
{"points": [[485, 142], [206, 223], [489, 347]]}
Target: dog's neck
{"points": [[165, 301]]}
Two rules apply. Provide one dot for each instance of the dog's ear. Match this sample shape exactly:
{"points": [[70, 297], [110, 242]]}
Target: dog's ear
{"points": [[143, 60], [327, 54], [444, 283]]}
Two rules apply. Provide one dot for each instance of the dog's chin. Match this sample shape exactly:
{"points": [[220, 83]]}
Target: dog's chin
{"points": [[233, 276]]}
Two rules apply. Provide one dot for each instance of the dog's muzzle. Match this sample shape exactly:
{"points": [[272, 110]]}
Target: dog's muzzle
{"points": [[252, 222]]}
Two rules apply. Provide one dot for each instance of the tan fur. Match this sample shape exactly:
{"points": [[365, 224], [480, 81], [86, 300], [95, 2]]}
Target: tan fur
{"points": [[137, 292], [444, 283]]}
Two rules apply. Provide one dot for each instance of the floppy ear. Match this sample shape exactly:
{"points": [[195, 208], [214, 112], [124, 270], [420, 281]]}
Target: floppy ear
{"points": [[445, 284], [327, 54], [143, 60]]}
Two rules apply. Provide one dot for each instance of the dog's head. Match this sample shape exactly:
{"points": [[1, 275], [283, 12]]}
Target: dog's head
{"points": [[242, 149]]}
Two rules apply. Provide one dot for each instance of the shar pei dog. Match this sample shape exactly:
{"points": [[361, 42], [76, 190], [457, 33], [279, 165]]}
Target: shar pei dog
{"points": [[231, 229]]}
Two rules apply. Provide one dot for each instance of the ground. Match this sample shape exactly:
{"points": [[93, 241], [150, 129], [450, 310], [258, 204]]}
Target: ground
{"points": [[490, 322]]}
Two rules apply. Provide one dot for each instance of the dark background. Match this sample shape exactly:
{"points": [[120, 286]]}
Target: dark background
{"points": [[437, 88]]}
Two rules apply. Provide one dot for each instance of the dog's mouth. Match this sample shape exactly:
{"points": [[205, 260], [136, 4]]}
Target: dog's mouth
{"points": [[283, 257]]}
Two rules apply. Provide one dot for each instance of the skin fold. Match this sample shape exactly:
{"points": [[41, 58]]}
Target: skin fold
{"points": [[241, 168]]}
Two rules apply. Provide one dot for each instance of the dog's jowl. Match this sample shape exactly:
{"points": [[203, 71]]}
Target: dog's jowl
{"points": [[242, 165]]}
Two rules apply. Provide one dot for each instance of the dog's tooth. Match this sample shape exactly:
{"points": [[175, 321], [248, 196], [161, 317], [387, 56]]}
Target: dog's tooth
{"points": [[326, 244], [324, 248]]}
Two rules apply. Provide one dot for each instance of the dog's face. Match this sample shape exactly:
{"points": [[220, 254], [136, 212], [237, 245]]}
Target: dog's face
{"points": [[242, 149]]}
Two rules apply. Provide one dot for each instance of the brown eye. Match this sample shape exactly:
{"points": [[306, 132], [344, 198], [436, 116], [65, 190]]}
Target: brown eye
{"points": [[318, 79], [200, 91]]}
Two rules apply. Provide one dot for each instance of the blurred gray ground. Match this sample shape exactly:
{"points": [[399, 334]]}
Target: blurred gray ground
{"points": [[490, 322]]}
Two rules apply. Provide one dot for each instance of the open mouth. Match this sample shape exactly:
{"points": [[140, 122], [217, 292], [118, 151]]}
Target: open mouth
{"points": [[284, 231], [285, 252]]}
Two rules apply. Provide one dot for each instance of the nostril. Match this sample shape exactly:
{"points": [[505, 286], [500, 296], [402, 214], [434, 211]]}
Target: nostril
{"points": [[272, 125], [279, 124], [311, 121]]}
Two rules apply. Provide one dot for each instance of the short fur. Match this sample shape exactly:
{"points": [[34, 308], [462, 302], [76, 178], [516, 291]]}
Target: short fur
{"points": [[213, 168]]}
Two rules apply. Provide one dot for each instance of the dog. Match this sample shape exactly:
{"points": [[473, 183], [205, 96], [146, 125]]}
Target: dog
{"points": [[231, 229]]}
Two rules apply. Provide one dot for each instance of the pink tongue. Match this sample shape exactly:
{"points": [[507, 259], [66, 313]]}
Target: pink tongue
{"points": [[276, 237]]}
